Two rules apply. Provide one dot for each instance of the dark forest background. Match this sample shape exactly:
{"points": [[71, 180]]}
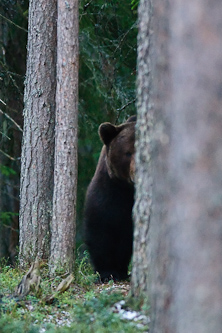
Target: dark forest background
{"points": [[108, 31]]}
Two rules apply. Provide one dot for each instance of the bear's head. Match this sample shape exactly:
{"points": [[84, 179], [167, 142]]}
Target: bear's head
{"points": [[119, 142]]}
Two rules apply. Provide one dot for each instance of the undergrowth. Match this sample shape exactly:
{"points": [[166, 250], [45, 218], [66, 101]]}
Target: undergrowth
{"points": [[84, 307]]}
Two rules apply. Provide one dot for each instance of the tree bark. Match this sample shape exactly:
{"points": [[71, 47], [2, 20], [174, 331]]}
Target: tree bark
{"points": [[38, 137], [185, 228], [65, 176], [143, 180], [180, 264]]}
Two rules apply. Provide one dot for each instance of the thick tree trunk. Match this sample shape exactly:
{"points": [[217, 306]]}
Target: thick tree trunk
{"points": [[184, 238], [65, 177], [159, 289], [143, 201], [186, 228], [38, 137]]}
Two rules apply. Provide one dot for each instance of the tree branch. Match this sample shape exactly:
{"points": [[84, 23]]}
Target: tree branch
{"points": [[10, 157], [17, 26], [12, 120], [123, 107]]}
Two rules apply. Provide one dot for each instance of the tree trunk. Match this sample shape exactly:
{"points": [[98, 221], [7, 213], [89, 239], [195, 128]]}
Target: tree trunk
{"points": [[3, 231], [185, 228], [65, 176], [143, 198], [184, 238], [38, 137]]}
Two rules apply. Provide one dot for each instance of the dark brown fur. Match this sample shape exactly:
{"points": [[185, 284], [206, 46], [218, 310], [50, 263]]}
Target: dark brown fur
{"points": [[109, 202]]}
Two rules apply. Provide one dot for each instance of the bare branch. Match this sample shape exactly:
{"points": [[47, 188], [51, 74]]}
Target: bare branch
{"points": [[5, 135], [10, 157], [2, 101], [124, 36], [17, 26], [12, 120], [87, 5], [123, 107], [127, 104], [10, 74]]}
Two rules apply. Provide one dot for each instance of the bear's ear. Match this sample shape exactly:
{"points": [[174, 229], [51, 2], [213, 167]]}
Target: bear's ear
{"points": [[131, 119], [107, 132]]}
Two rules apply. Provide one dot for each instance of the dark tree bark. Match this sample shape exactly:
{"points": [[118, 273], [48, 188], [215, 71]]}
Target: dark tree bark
{"points": [[38, 137], [65, 177]]}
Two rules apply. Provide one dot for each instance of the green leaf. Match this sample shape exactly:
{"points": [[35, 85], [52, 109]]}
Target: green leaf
{"points": [[6, 171], [6, 217]]}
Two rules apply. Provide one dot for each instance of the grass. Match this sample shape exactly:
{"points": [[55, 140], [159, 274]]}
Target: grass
{"points": [[84, 307]]}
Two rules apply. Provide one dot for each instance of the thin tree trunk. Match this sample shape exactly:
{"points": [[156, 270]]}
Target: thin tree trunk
{"points": [[4, 233], [38, 137], [143, 201], [65, 177]]}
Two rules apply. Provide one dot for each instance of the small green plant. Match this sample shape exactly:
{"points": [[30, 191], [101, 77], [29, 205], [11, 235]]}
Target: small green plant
{"points": [[16, 326], [84, 275], [84, 307], [134, 4], [6, 217], [6, 171]]}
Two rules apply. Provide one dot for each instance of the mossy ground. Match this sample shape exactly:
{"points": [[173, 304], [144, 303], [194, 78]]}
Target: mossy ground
{"points": [[84, 307]]}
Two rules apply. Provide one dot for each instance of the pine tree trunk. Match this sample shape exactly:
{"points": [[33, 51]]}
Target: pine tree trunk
{"points": [[65, 177], [38, 137], [185, 228], [143, 200], [179, 262]]}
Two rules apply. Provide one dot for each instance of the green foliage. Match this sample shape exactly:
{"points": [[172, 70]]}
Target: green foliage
{"points": [[84, 307], [9, 278], [17, 326], [134, 4], [107, 61], [6, 217], [7, 171], [13, 22], [94, 315], [107, 75], [84, 275]]}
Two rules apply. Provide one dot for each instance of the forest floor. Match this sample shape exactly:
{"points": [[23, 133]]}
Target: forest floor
{"points": [[84, 307]]}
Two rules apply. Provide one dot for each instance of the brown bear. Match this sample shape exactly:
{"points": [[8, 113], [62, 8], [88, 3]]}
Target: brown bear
{"points": [[109, 202]]}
